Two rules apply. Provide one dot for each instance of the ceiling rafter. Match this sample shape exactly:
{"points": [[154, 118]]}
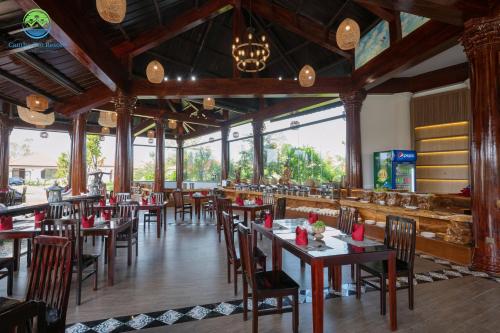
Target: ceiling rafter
{"points": [[25, 85], [92, 98], [383, 13], [158, 12], [201, 46], [154, 112]]}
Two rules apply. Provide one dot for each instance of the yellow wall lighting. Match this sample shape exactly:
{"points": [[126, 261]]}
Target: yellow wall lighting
{"points": [[443, 153], [443, 166], [442, 180], [449, 138], [459, 123]]}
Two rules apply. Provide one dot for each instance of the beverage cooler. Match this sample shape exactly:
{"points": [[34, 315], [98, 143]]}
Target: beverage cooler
{"points": [[395, 169]]}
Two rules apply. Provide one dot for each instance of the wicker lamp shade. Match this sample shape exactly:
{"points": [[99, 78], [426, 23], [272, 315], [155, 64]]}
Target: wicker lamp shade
{"points": [[151, 136], [208, 103], [112, 11], [348, 34], [307, 76], [35, 118], [107, 119], [172, 124], [105, 130], [155, 72], [37, 103]]}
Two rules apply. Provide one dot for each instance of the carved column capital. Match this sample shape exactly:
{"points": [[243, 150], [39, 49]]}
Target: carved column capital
{"points": [[479, 33], [258, 126], [124, 102], [353, 99]]}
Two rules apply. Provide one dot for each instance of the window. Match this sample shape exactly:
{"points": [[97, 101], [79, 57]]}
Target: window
{"points": [[202, 157], [144, 159], [241, 152], [170, 160]]}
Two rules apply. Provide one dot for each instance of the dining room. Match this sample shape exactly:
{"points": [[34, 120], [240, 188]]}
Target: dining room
{"points": [[249, 166]]}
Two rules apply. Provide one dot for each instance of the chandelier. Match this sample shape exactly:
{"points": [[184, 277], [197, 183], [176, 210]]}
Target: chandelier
{"points": [[251, 54], [112, 11], [35, 118]]}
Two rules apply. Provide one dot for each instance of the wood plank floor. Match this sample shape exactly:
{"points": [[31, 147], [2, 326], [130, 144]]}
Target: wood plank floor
{"points": [[188, 267]]}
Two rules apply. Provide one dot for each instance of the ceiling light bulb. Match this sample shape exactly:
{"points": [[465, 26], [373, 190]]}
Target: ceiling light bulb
{"points": [[165, 78], [155, 67], [295, 78], [280, 78], [37, 102], [179, 78], [347, 27], [193, 78]]}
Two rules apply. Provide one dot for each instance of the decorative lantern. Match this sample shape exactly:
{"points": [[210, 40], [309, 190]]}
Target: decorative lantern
{"points": [[151, 136], [307, 76], [112, 11], [54, 193], [155, 72], [348, 34], [37, 103], [236, 135], [208, 103], [44, 134], [172, 124]]}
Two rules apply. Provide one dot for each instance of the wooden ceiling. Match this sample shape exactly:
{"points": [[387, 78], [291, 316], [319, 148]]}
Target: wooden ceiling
{"points": [[193, 38]]}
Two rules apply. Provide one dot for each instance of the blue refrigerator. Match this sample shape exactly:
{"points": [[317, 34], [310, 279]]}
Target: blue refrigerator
{"points": [[395, 169]]}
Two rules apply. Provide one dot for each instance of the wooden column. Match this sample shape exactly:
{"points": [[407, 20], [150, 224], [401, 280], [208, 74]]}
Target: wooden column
{"points": [[160, 156], [225, 153], [258, 157], [70, 155], [5, 130], [352, 104], [179, 163], [124, 106], [481, 40], [79, 155]]}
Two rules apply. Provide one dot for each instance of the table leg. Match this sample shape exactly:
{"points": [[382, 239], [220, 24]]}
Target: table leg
{"points": [[197, 207], [164, 210], [16, 253], [111, 257], [252, 215], [245, 217], [392, 292], [317, 295], [158, 222], [337, 275]]}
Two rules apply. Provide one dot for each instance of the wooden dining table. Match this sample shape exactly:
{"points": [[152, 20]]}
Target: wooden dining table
{"points": [[197, 200], [25, 230], [252, 209], [334, 249]]}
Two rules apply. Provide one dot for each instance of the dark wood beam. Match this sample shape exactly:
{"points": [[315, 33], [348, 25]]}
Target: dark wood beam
{"points": [[143, 126], [200, 47], [430, 39], [334, 18], [25, 85], [381, 12], [395, 29], [239, 88], [297, 24], [81, 40], [438, 78], [152, 112], [12, 100], [184, 22], [59, 126], [289, 52], [92, 98], [158, 12]]}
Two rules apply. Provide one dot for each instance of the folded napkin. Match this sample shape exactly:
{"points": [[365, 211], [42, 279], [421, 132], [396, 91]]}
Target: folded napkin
{"points": [[204, 192], [39, 217], [239, 201], [144, 201], [6, 223], [301, 236], [358, 232], [102, 202], [106, 215], [268, 221], [112, 200], [258, 201], [153, 200], [88, 222], [313, 218]]}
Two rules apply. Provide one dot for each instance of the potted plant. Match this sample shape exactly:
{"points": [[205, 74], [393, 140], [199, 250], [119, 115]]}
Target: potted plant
{"points": [[318, 229]]}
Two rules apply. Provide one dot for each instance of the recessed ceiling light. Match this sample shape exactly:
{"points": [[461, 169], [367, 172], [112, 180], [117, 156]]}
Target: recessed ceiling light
{"points": [[295, 78], [179, 78], [193, 78], [280, 78], [165, 78]]}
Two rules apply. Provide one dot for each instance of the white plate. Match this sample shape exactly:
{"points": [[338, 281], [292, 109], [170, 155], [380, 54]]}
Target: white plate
{"points": [[411, 207], [428, 234], [370, 222], [381, 202], [380, 224]]}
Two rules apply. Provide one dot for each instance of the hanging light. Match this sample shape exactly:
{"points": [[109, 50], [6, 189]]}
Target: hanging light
{"points": [[107, 119], [236, 135], [102, 138], [208, 103], [112, 11], [155, 72], [44, 134], [348, 34], [151, 136], [105, 130], [294, 124], [251, 52], [307, 76], [37, 103], [35, 118], [172, 124]]}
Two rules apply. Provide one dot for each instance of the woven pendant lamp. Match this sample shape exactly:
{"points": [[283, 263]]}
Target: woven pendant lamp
{"points": [[208, 103], [151, 136], [155, 72], [112, 11], [307, 76], [172, 124], [348, 34], [37, 103]]}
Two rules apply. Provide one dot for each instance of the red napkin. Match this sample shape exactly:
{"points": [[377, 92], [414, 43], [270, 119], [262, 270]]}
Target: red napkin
{"points": [[301, 236], [153, 200], [258, 201], [112, 200], [102, 202], [191, 194], [144, 201], [88, 222], [313, 218], [268, 221], [6, 223], [106, 215], [358, 232], [204, 192], [239, 201], [39, 217]]}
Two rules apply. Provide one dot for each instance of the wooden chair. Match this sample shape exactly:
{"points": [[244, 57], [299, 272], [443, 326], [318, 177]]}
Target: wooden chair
{"points": [[20, 318], [400, 234], [121, 197], [86, 208], [50, 278], [232, 257], [58, 210], [85, 265], [280, 208], [180, 207], [160, 198], [127, 239], [224, 205], [7, 270], [208, 208], [272, 284]]}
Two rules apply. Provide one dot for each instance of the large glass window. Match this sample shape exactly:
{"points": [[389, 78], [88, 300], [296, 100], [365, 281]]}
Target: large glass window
{"points": [[144, 159], [312, 147], [241, 152], [170, 160], [202, 157]]}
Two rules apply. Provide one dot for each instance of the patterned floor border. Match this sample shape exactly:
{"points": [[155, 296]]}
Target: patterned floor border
{"points": [[200, 312]]}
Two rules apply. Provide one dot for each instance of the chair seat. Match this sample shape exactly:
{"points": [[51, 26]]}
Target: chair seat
{"points": [[274, 281], [6, 261], [379, 267]]}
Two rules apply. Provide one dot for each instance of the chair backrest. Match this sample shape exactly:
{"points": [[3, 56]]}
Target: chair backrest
{"points": [[58, 210], [50, 274], [130, 210], [246, 254], [64, 228], [20, 318], [348, 216], [227, 221], [120, 197], [268, 199], [400, 234], [86, 208], [178, 199], [159, 197], [280, 208]]}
